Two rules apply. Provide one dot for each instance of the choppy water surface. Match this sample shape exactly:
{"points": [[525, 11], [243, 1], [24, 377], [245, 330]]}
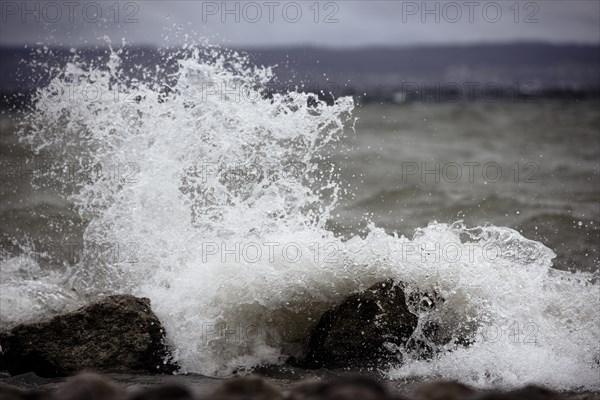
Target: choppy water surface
{"points": [[244, 218]]}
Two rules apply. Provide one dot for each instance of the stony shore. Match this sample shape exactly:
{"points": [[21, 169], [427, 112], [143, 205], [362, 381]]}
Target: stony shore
{"points": [[121, 338], [328, 386]]}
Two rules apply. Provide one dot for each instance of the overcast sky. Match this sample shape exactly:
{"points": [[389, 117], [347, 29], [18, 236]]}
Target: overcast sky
{"points": [[281, 23]]}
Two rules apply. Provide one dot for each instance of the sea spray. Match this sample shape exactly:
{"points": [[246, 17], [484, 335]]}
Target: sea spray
{"points": [[215, 191]]}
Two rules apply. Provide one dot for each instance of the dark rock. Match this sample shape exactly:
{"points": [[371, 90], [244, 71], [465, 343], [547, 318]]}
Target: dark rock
{"points": [[31, 379], [247, 388], [533, 392], [8, 392], [90, 387], [359, 332], [117, 334], [586, 396], [443, 390], [350, 387], [527, 393], [355, 387], [308, 390], [165, 392]]}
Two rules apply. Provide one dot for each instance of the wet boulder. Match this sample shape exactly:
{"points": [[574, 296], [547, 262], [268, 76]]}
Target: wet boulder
{"points": [[117, 334], [363, 331]]}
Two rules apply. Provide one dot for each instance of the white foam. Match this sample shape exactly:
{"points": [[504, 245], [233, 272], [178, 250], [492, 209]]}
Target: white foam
{"points": [[196, 195]]}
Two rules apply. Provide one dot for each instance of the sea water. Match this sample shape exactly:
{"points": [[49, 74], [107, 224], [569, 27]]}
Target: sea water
{"points": [[219, 202]]}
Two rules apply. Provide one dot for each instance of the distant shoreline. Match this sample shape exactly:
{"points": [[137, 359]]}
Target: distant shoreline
{"points": [[435, 74]]}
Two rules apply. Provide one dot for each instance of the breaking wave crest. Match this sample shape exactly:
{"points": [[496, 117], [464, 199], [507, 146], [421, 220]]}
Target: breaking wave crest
{"points": [[217, 194]]}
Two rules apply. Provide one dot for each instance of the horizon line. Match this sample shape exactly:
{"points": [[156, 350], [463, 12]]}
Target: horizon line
{"points": [[317, 46]]}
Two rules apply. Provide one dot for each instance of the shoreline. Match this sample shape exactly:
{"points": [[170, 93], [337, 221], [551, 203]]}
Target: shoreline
{"points": [[42, 356], [202, 386]]}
